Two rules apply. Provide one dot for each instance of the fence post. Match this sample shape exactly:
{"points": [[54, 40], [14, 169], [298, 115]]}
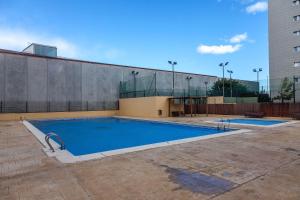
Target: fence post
{"points": [[26, 106], [87, 105], [69, 106], [155, 85], [1, 107]]}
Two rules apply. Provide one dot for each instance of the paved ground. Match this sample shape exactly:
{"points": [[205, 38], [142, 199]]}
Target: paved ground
{"points": [[262, 164]]}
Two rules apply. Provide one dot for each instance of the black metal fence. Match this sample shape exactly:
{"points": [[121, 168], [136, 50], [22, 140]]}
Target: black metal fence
{"points": [[69, 106]]}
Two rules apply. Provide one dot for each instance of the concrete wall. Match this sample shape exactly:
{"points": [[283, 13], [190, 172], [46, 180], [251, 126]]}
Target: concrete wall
{"points": [[147, 107], [40, 84], [30, 83]]}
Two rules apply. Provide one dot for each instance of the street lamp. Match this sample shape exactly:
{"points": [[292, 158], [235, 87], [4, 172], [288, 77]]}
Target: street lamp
{"points": [[134, 73], [223, 65], [188, 78], [173, 63], [230, 73], [257, 71]]}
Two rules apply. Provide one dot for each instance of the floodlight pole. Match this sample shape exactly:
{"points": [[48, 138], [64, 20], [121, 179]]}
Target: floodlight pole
{"points": [[173, 63], [134, 73], [257, 71], [188, 78], [230, 73], [206, 97], [223, 65]]}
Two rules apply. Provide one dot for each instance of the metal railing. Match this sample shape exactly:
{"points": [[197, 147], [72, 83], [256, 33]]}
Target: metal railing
{"points": [[61, 142], [69, 106]]}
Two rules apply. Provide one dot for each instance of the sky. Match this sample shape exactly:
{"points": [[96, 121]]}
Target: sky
{"points": [[198, 34]]}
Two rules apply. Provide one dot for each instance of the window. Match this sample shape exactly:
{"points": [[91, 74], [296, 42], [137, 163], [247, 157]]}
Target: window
{"points": [[296, 2], [297, 49], [297, 64], [296, 18], [297, 33]]}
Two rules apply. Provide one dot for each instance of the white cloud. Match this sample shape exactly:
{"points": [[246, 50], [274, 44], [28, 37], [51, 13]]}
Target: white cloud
{"points": [[18, 39], [218, 49], [239, 38], [260, 6]]}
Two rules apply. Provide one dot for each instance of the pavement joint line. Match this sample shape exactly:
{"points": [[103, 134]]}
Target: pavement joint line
{"points": [[40, 170], [255, 178]]}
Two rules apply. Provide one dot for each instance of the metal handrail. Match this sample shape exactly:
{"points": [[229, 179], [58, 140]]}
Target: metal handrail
{"points": [[47, 138], [228, 124], [222, 124]]}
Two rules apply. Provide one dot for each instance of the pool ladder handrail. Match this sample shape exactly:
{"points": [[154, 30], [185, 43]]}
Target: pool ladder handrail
{"points": [[228, 124], [47, 138], [221, 124]]}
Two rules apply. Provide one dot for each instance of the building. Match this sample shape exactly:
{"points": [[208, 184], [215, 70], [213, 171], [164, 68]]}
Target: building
{"points": [[34, 81], [284, 43]]}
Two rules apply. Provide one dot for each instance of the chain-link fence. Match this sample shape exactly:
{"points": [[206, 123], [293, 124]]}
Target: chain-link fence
{"points": [[148, 86], [267, 90]]}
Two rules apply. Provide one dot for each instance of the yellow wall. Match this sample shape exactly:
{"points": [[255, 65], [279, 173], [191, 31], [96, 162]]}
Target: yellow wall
{"points": [[215, 100], [55, 115], [144, 107]]}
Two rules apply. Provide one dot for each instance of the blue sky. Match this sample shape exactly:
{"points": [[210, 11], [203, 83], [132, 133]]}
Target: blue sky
{"points": [[198, 34]]}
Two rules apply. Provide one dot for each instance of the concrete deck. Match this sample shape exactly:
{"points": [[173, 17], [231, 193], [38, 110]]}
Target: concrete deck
{"points": [[261, 164]]}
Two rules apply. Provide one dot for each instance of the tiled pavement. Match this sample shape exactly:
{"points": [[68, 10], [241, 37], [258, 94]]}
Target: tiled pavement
{"points": [[261, 164]]}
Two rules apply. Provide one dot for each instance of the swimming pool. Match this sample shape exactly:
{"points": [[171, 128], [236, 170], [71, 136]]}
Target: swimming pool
{"points": [[88, 136], [256, 122]]}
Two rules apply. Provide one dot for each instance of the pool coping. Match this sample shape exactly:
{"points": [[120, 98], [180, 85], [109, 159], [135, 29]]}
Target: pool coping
{"points": [[253, 125], [65, 156]]}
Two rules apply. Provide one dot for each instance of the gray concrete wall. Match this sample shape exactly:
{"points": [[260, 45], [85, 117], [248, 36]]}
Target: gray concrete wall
{"points": [[40, 84]]}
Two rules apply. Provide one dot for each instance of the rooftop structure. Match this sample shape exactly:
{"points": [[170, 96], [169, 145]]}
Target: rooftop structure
{"points": [[41, 50]]}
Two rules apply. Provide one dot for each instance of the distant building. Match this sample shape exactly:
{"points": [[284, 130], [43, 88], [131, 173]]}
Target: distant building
{"points": [[284, 43]]}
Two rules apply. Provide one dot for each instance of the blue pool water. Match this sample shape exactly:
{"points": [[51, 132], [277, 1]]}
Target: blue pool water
{"points": [[86, 136], [261, 122]]}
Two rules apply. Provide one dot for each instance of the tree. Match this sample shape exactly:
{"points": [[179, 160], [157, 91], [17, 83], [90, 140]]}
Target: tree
{"points": [[286, 90], [238, 89], [264, 97]]}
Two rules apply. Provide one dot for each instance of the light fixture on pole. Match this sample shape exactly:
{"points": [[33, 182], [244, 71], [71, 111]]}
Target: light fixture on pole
{"points": [[230, 74], [257, 71], [189, 78], [205, 88], [173, 63], [223, 65], [134, 73]]}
